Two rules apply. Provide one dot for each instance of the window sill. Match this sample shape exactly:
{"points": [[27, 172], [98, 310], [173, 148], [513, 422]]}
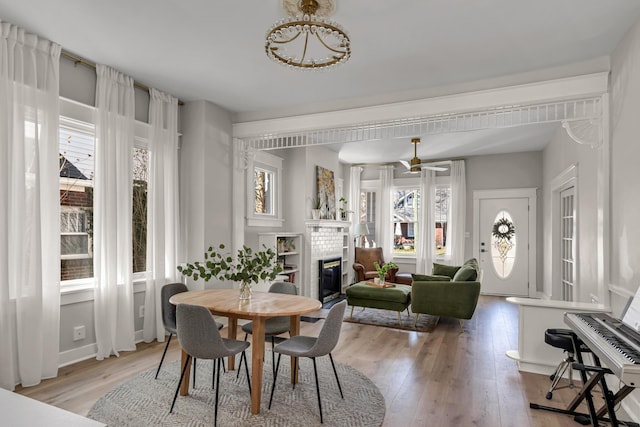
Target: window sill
{"points": [[83, 290], [265, 222]]}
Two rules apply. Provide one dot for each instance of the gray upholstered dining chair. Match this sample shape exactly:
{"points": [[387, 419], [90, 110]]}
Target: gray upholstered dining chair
{"points": [[311, 347], [275, 325], [169, 319], [200, 338]]}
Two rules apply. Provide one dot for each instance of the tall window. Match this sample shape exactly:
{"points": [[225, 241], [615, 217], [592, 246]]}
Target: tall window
{"points": [[442, 201], [368, 216], [76, 154], [139, 206], [405, 216]]}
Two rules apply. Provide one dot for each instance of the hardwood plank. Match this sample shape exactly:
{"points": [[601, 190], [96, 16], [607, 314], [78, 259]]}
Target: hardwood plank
{"points": [[442, 378]]}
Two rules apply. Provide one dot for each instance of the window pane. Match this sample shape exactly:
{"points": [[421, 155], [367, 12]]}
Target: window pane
{"points": [[263, 185], [139, 214], [503, 244], [368, 217], [405, 210], [76, 155], [441, 215]]}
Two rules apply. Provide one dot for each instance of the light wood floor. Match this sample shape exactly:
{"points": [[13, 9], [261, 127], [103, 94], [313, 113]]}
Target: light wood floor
{"points": [[443, 378]]}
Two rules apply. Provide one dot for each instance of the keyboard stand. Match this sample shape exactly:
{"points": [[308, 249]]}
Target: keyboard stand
{"points": [[597, 376]]}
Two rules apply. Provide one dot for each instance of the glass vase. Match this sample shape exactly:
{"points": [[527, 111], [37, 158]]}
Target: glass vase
{"points": [[245, 290]]}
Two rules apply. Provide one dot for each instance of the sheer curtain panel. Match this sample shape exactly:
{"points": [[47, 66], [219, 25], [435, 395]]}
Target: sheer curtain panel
{"points": [[457, 213], [354, 192], [386, 182], [162, 208], [29, 208], [113, 253], [426, 249]]}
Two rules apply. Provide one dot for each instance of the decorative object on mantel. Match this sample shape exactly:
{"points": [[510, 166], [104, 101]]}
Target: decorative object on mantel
{"points": [[248, 267], [382, 269], [344, 213], [326, 192], [307, 39], [143, 401], [316, 208]]}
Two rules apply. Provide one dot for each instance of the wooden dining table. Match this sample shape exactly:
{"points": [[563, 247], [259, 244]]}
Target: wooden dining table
{"points": [[261, 306]]}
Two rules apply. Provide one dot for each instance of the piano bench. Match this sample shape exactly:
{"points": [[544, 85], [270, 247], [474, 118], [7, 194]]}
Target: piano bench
{"points": [[563, 339]]}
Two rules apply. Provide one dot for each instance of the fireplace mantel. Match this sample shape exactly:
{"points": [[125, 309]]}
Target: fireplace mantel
{"points": [[326, 223]]}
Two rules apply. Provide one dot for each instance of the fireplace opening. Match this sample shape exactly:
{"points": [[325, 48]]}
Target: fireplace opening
{"points": [[330, 278]]}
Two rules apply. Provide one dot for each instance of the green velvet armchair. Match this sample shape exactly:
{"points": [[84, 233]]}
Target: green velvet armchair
{"points": [[442, 296]]}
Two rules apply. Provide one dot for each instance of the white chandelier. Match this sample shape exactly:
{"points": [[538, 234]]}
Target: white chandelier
{"points": [[308, 40]]}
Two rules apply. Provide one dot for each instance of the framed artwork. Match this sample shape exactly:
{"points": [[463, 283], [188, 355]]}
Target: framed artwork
{"points": [[326, 192]]}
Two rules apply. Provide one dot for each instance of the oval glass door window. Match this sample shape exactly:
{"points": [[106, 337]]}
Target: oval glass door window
{"points": [[503, 244]]}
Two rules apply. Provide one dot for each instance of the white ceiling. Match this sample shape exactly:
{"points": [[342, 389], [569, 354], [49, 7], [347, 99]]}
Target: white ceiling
{"points": [[402, 49]]}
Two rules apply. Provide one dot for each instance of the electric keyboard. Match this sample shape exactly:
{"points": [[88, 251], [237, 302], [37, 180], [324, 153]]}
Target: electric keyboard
{"points": [[616, 344]]}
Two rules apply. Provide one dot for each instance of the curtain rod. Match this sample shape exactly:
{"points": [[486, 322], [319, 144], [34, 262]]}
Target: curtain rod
{"points": [[78, 60]]}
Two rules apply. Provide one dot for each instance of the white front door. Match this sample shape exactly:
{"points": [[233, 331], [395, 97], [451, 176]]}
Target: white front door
{"points": [[504, 245]]}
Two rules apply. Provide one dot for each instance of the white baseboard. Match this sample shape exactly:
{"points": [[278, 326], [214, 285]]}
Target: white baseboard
{"points": [[85, 352]]}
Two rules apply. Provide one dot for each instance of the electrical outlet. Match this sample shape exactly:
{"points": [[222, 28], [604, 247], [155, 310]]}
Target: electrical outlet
{"points": [[141, 311], [79, 333]]}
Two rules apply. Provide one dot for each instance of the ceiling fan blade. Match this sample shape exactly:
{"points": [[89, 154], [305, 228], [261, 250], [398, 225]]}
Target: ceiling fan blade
{"points": [[435, 168], [405, 164]]}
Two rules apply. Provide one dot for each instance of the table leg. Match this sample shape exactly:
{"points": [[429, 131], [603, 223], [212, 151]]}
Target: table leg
{"points": [[233, 330], [257, 356], [184, 386], [294, 329]]}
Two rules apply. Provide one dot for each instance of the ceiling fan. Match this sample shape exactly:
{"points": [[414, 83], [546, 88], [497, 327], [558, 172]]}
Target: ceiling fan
{"points": [[415, 164]]}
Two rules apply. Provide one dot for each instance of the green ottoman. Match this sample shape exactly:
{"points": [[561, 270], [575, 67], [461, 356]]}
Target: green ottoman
{"points": [[363, 295]]}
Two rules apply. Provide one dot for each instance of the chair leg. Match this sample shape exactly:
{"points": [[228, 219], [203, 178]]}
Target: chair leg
{"points": [[246, 369], [240, 365], [415, 323], [336, 374], [275, 376], [184, 369], [164, 353], [273, 354], [194, 372], [295, 368], [215, 416], [315, 371], [399, 319], [352, 307], [461, 324], [213, 375]]}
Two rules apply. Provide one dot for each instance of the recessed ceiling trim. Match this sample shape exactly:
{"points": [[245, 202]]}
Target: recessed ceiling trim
{"points": [[589, 109]]}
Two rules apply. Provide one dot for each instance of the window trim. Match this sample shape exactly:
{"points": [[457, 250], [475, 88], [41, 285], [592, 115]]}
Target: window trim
{"points": [[271, 163], [81, 117]]}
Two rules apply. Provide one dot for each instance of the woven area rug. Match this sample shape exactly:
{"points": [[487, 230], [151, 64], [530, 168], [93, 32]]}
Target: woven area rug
{"points": [[389, 319], [145, 401]]}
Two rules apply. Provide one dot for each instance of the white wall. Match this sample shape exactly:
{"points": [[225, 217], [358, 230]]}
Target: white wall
{"points": [[625, 173], [559, 155], [205, 181]]}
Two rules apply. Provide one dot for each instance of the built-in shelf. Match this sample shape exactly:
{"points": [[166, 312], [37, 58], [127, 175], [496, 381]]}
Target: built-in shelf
{"points": [[289, 247]]}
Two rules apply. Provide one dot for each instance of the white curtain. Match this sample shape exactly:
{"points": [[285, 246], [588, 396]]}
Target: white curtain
{"points": [[457, 214], [30, 208], [426, 248], [354, 192], [162, 208], [386, 232], [112, 204]]}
